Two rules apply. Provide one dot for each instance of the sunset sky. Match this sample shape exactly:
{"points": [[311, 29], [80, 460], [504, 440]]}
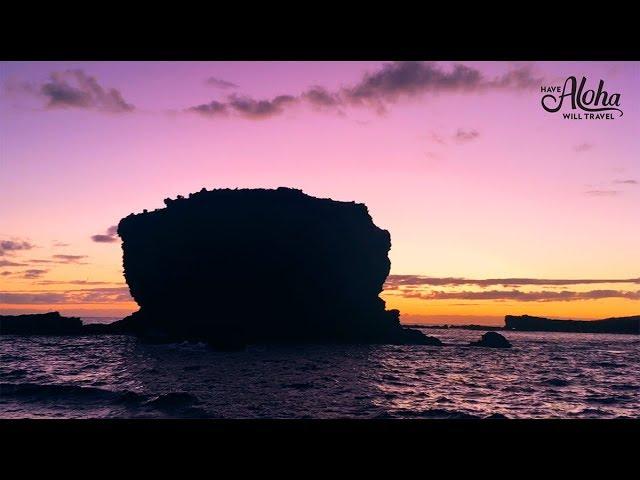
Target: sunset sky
{"points": [[494, 205]]}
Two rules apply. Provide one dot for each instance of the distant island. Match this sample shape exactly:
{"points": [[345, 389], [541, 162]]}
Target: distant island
{"points": [[52, 323], [526, 323]]}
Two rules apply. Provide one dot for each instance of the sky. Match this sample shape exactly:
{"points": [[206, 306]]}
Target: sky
{"points": [[495, 206]]}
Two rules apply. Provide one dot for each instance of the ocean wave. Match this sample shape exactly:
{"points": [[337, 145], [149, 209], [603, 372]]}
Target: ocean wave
{"points": [[49, 392]]}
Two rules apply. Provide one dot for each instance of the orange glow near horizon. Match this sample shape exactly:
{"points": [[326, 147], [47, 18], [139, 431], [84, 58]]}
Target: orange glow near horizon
{"points": [[479, 183]]}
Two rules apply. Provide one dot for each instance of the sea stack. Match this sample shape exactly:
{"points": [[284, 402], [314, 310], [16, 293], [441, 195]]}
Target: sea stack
{"points": [[234, 267]]}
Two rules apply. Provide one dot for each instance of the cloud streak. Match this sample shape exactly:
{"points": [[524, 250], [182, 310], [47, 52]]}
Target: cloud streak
{"points": [[583, 147], [602, 193], [220, 83], [10, 246], [413, 286], [69, 258], [75, 282], [33, 273], [110, 236], [464, 136], [398, 281], [520, 296], [76, 89], [9, 263], [80, 296], [378, 90]]}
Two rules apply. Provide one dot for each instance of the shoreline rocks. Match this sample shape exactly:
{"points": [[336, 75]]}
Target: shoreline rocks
{"points": [[50, 323]]}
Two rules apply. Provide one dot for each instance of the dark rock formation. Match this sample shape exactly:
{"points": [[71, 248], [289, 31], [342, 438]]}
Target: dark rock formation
{"points": [[247, 266], [492, 340], [51, 323], [629, 325]]}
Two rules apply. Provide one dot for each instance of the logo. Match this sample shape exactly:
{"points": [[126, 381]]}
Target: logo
{"points": [[591, 104]]}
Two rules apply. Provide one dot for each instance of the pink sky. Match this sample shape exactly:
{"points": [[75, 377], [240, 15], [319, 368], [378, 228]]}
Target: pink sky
{"points": [[479, 183]]}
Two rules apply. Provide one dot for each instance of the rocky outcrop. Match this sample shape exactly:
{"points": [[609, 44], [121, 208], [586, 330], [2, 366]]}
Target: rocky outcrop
{"points": [[491, 340], [526, 323], [247, 266], [51, 323]]}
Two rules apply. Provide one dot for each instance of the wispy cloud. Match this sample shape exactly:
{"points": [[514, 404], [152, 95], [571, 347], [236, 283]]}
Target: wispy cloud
{"points": [[220, 83], [75, 282], [320, 97], [459, 137], [378, 89], [211, 109], [110, 236], [258, 109], [9, 263], [94, 295], [602, 193], [33, 273], [29, 274], [246, 107], [464, 136], [409, 79], [629, 181], [69, 258], [10, 246], [520, 296], [397, 281], [583, 147], [75, 89]]}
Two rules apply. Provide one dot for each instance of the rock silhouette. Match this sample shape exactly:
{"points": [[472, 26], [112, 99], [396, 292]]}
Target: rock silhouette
{"points": [[233, 267], [491, 340], [629, 325], [51, 323]]}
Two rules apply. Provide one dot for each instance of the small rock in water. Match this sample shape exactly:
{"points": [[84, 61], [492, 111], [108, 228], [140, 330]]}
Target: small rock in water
{"points": [[491, 340]]}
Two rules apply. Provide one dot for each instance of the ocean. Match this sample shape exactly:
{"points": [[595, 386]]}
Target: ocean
{"points": [[544, 375]]}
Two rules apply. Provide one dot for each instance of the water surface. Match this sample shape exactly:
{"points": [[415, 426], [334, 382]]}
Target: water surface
{"points": [[545, 375]]}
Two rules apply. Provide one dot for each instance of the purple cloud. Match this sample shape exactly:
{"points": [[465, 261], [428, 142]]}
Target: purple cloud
{"points": [[583, 147], [520, 296], [110, 236], [14, 245], [259, 109], [74, 88], [69, 258], [399, 281], [33, 273], [463, 136], [390, 83], [602, 193], [219, 83], [95, 295]]}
